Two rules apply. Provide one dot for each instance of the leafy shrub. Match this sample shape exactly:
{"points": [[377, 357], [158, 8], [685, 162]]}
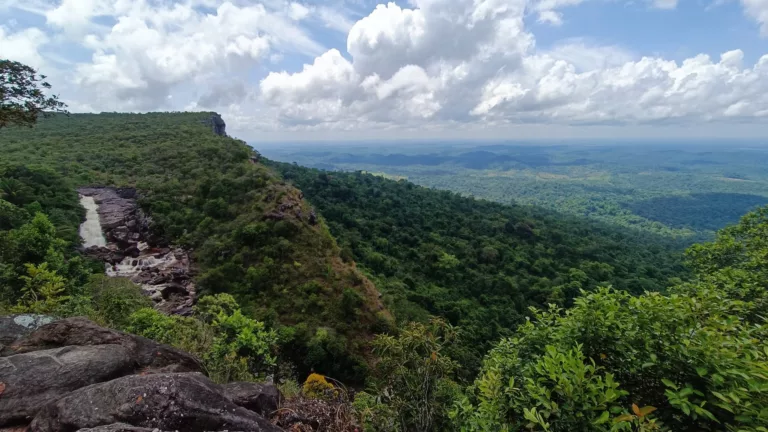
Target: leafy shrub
{"points": [[410, 388], [316, 386], [232, 346]]}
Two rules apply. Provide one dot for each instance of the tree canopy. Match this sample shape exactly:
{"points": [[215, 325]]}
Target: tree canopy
{"points": [[22, 95]]}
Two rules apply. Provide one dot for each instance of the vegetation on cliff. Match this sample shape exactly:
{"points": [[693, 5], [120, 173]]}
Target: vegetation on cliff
{"points": [[252, 234], [621, 337], [478, 264]]}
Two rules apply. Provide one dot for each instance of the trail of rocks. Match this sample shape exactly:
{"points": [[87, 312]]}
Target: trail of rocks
{"points": [[131, 251]]}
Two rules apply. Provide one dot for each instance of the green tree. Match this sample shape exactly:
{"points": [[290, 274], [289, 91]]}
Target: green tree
{"points": [[22, 97], [693, 359], [410, 387]]}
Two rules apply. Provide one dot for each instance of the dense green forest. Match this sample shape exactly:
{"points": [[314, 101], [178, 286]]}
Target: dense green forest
{"points": [[249, 231], [478, 264], [683, 190], [506, 318]]}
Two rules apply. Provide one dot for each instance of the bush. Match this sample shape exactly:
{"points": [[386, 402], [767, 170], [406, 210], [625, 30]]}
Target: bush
{"points": [[317, 387], [231, 346]]}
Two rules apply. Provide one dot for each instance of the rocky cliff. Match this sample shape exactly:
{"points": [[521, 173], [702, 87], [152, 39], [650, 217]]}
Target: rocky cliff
{"points": [[72, 375], [217, 124]]}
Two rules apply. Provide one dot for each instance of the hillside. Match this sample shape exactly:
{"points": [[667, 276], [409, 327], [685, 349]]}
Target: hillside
{"points": [[252, 235], [681, 189], [478, 264]]}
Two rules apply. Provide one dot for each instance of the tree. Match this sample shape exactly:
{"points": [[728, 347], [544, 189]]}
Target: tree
{"points": [[22, 97], [410, 386]]}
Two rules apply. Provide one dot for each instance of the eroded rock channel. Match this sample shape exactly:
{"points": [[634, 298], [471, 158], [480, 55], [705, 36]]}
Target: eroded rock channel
{"points": [[117, 232]]}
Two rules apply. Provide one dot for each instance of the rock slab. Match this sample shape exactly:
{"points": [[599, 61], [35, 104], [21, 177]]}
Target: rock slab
{"points": [[185, 402]]}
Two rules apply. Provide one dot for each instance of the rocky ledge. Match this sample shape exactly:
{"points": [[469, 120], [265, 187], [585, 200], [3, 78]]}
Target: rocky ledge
{"points": [[72, 375], [164, 273]]}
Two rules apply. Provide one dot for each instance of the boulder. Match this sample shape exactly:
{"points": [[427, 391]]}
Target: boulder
{"points": [[118, 427], [259, 398], [32, 380], [142, 352], [185, 402], [16, 327]]}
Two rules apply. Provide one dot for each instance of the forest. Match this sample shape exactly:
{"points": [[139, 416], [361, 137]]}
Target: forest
{"points": [[497, 317], [478, 264], [682, 190], [205, 194]]}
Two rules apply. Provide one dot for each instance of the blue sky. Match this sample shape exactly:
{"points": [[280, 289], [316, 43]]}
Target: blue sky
{"points": [[293, 70]]}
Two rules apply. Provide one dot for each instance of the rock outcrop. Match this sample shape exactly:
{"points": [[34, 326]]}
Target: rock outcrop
{"points": [[73, 375], [263, 399], [217, 124], [143, 352], [16, 327], [164, 273], [183, 402]]}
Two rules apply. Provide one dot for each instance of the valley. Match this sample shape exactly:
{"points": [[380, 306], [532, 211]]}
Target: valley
{"points": [[349, 300], [684, 190]]}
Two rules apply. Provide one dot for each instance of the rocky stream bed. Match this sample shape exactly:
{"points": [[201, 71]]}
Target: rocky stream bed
{"points": [[116, 231]]}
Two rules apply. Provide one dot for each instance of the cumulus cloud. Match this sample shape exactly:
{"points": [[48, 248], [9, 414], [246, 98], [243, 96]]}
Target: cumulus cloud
{"points": [[462, 61], [758, 10], [143, 50], [23, 46], [433, 64]]}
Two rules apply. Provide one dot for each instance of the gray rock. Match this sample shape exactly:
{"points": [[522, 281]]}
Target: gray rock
{"points": [[15, 327], [118, 427], [143, 352], [185, 402], [34, 379], [263, 399]]}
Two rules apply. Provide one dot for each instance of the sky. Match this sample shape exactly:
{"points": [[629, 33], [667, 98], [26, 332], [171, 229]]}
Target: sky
{"points": [[421, 69]]}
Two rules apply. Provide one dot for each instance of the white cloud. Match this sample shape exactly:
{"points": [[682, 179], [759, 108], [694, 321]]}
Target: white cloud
{"points": [[154, 48], [664, 4], [436, 64], [23, 46], [443, 62], [298, 11], [758, 10]]}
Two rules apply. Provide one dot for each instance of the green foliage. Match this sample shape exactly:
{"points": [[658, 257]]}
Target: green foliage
{"points": [[697, 354], [677, 190], [477, 264], [43, 290], [410, 386], [231, 346], [22, 97], [249, 231]]}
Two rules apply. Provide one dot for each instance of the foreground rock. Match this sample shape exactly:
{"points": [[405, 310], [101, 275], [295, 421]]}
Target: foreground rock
{"points": [[118, 427], [69, 354], [16, 327], [164, 273], [142, 352], [184, 402], [72, 375], [35, 379], [263, 399]]}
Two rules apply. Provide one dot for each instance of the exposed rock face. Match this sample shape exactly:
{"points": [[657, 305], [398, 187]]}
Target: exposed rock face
{"points": [[263, 399], [66, 355], [143, 352], [217, 125], [15, 327], [34, 379], [184, 402], [72, 375], [118, 427], [164, 273]]}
